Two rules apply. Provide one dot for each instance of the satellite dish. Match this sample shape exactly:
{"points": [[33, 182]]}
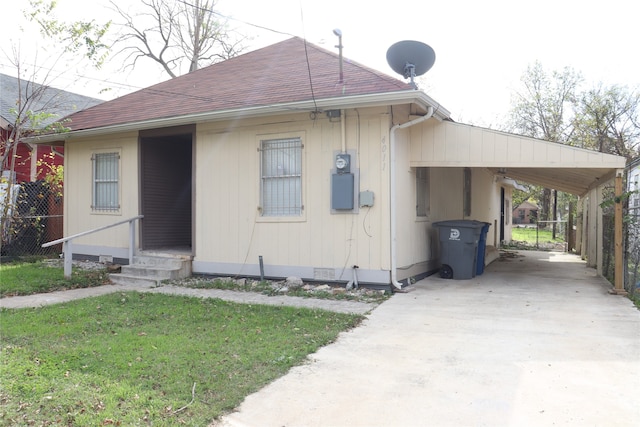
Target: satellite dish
{"points": [[411, 58]]}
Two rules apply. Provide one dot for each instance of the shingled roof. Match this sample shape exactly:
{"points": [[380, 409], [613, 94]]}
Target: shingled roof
{"points": [[287, 72], [39, 99]]}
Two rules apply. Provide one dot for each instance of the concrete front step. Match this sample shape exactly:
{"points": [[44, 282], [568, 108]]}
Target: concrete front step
{"points": [[162, 261], [156, 271], [138, 281], [150, 270]]}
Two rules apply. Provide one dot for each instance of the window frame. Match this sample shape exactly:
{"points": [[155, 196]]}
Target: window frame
{"points": [[423, 188], [299, 163], [105, 208]]}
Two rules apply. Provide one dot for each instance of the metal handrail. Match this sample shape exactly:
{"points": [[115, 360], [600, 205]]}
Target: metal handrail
{"points": [[66, 241]]}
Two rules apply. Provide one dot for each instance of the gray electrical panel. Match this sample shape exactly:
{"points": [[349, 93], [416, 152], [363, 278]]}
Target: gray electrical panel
{"points": [[366, 199], [342, 191]]}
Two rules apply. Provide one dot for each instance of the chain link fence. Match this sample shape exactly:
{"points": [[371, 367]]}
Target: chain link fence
{"points": [[632, 261], [32, 214]]}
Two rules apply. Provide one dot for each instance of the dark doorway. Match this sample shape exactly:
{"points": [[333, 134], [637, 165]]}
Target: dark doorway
{"points": [[502, 214], [166, 188]]}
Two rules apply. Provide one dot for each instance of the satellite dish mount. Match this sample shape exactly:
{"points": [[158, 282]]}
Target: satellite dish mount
{"points": [[410, 72], [411, 59]]}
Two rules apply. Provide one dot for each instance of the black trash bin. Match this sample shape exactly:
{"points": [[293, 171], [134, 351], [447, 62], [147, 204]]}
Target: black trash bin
{"points": [[482, 245], [459, 248]]}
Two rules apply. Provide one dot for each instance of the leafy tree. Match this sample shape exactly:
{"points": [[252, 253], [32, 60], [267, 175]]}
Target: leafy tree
{"points": [[551, 106], [73, 41], [543, 109], [31, 115], [607, 121], [79, 37], [178, 35], [32, 111]]}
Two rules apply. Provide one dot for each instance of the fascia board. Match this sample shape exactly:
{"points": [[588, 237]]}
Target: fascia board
{"points": [[357, 101]]}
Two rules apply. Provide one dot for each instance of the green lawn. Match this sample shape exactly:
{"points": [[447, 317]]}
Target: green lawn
{"points": [[25, 278], [145, 359], [529, 235]]}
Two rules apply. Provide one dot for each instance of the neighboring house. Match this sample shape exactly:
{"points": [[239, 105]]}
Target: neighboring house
{"points": [[525, 213], [25, 164], [37, 98], [270, 156]]}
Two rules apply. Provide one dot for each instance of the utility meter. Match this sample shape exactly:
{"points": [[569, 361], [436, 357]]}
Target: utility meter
{"points": [[343, 163]]}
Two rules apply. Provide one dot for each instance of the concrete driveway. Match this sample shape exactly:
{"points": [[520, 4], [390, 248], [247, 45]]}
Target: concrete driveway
{"points": [[535, 341]]}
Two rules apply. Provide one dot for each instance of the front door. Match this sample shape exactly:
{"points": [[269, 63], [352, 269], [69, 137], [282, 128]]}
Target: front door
{"points": [[166, 188]]}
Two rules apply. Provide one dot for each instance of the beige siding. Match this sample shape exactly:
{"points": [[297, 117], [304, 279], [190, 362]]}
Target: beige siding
{"points": [[452, 144], [417, 238], [78, 215], [229, 228]]}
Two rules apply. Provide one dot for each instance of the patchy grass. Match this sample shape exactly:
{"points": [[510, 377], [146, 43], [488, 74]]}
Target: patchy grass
{"points": [[279, 288], [26, 278], [146, 359]]}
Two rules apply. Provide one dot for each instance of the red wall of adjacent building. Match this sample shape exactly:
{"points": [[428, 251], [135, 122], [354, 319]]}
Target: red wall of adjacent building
{"points": [[27, 158]]}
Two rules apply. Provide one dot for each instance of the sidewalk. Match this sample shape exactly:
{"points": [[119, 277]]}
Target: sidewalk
{"points": [[38, 300]]}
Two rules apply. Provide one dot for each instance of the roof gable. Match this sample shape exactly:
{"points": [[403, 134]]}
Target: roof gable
{"points": [[286, 72]]}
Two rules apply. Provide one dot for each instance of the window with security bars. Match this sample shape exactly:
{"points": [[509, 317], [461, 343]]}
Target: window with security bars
{"points": [[105, 182], [281, 182]]}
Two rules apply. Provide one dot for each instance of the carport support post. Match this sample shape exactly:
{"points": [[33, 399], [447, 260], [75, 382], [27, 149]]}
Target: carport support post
{"points": [[619, 270]]}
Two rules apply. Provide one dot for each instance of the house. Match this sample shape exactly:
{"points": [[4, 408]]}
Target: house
{"points": [[17, 94], [271, 163], [525, 213]]}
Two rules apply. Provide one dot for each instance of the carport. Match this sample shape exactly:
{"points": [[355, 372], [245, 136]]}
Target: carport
{"points": [[565, 168]]}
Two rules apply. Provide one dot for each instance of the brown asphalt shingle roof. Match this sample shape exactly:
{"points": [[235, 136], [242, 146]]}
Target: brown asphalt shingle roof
{"points": [[273, 75]]}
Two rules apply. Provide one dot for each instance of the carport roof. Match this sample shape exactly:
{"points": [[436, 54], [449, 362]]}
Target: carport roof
{"points": [[553, 165], [569, 180]]}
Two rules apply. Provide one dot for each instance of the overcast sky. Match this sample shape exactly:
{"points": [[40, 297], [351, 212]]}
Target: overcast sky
{"points": [[482, 47]]}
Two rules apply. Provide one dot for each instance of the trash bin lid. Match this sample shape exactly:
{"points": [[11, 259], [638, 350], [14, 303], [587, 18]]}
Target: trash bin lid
{"points": [[461, 223]]}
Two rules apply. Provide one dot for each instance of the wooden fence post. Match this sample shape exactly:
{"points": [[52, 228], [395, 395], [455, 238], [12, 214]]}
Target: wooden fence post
{"points": [[618, 252]]}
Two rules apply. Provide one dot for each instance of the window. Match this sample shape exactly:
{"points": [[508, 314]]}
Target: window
{"points": [[106, 182], [422, 192], [521, 214], [281, 182], [467, 193]]}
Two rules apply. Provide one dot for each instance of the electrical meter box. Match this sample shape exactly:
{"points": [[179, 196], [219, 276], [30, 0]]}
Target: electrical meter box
{"points": [[342, 185]]}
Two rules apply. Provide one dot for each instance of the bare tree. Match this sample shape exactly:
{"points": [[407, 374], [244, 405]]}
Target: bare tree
{"points": [[178, 35]]}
